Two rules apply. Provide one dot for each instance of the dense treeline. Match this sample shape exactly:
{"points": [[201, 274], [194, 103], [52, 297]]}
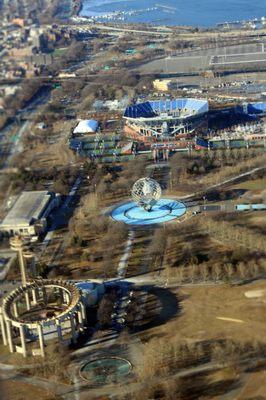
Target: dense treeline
{"points": [[208, 168], [158, 372]]}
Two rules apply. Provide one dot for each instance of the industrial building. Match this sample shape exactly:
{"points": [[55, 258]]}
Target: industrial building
{"points": [[162, 120], [28, 215]]}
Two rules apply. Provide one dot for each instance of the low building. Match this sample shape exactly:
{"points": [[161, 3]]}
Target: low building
{"points": [[28, 215], [86, 126], [163, 85]]}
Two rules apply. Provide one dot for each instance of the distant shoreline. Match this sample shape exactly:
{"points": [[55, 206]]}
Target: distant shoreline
{"points": [[77, 7]]}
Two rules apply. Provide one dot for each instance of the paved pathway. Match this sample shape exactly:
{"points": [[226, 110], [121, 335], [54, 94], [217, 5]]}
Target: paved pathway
{"points": [[122, 265]]}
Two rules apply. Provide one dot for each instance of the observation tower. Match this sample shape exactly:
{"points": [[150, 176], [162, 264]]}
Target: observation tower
{"points": [[39, 311]]}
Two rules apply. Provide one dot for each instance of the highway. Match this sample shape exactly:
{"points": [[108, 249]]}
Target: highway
{"points": [[118, 29], [15, 145]]}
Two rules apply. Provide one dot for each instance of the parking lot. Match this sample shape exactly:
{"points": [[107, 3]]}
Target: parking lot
{"points": [[200, 60], [243, 58]]}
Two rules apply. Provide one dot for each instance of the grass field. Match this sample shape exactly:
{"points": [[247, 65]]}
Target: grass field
{"points": [[253, 185], [206, 316], [201, 305], [60, 52], [254, 387], [15, 390]]}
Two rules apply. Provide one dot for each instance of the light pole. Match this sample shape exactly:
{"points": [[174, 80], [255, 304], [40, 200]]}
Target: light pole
{"points": [[204, 204]]}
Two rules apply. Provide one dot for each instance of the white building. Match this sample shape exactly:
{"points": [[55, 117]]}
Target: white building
{"points": [[163, 85], [28, 215], [86, 126]]}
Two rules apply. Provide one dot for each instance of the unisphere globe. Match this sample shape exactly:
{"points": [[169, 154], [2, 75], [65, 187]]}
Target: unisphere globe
{"points": [[146, 192]]}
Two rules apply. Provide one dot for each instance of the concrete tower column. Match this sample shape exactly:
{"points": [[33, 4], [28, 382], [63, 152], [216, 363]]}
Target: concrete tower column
{"points": [[83, 312], [80, 318], [23, 340], [22, 266], [20, 245], [9, 337], [34, 296], [73, 329], [27, 298], [3, 329], [15, 309], [41, 339], [66, 297]]}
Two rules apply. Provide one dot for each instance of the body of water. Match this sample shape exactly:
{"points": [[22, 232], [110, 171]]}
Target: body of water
{"points": [[177, 12]]}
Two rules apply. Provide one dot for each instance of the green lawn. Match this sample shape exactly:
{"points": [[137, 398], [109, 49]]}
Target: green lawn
{"points": [[60, 52]]}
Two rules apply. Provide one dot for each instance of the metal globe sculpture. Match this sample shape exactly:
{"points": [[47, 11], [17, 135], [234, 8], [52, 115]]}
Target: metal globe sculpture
{"points": [[146, 192]]}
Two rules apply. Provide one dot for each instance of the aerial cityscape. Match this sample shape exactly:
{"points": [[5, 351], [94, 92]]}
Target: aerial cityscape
{"points": [[133, 200]]}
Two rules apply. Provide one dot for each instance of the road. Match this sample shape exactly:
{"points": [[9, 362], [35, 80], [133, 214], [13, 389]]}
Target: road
{"points": [[15, 145], [11, 136]]}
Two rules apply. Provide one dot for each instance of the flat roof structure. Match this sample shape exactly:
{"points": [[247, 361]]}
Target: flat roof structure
{"points": [[28, 215], [167, 109], [29, 206]]}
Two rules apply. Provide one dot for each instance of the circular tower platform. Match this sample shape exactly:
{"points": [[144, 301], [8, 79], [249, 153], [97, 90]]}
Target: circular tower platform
{"points": [[165, 210]]}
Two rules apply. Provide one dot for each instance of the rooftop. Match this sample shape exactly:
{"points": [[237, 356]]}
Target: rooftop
{"points": [[28, 206], [86, 126], [151, 109]]}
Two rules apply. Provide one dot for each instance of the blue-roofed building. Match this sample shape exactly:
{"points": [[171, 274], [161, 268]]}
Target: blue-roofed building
{"points": [[257, 109], [160, 119]]}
